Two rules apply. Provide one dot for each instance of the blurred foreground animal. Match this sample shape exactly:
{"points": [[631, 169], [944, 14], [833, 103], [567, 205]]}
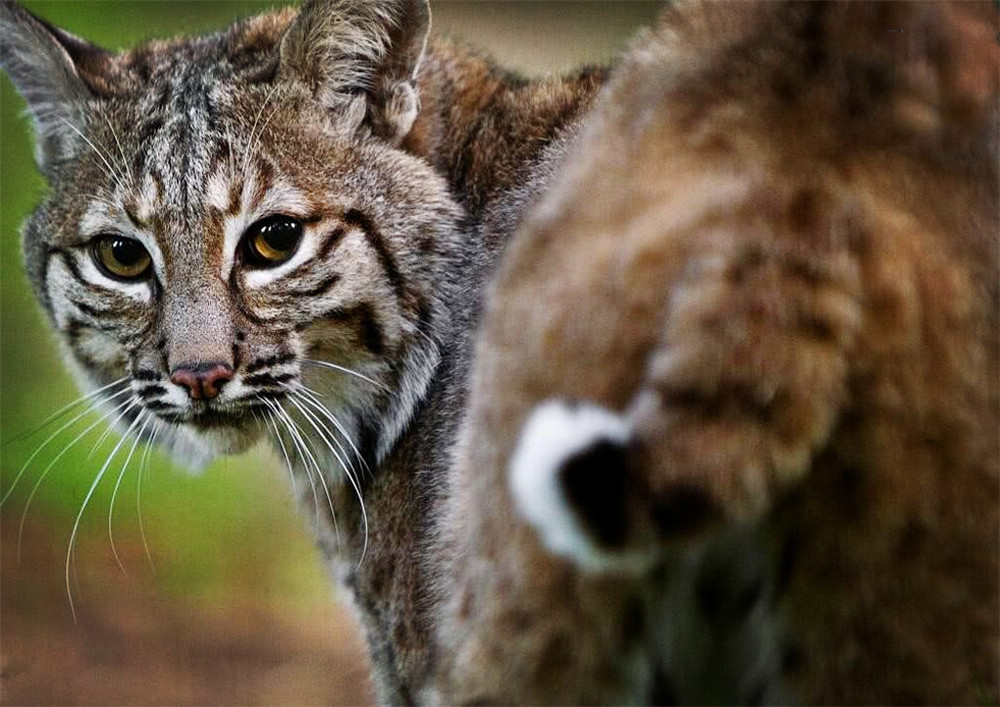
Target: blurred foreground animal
{"points": [[733, 429]]}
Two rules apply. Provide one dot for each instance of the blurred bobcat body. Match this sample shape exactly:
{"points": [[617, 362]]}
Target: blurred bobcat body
{"points": [[758, 308]]}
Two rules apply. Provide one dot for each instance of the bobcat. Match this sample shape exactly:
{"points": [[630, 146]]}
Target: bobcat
{"points": [[330, 189], [748, 340], [234, 216]]}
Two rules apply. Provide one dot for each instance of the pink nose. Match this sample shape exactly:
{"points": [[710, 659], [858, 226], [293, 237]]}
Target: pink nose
{"points": [[203, 380]]}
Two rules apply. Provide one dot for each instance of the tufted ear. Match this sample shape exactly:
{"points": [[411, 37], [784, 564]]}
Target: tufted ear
{"points": [[45, 64], [362, 58]]}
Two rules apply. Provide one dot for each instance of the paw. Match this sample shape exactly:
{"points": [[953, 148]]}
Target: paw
{"points": [[569, 479]]}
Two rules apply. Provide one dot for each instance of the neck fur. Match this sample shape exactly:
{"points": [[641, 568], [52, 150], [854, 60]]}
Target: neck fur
{"points": [[482, 126]]}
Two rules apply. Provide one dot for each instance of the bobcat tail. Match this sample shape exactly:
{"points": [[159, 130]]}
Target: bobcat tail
{"points": [[573, 476]]}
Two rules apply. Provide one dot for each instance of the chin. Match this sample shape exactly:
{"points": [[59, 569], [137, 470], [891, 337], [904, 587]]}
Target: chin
{"points": [[229, 440], [196, 448]]}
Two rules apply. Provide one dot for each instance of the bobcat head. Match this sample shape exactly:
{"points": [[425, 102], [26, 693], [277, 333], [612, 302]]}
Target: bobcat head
{"points": [[232, 222]]}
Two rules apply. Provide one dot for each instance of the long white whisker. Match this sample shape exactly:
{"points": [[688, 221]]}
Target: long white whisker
{"points": [[320, 476], [118, 483], [52, 463], [347, 471], [300, 452], [311, 396], [143, 469], [320, 429], [297, 432], [294, 428], [253, 129], [342, 369], [86, 502], [110, 170], [343, 457], [55, 434], [272, 425], [100, 440], [128, 169], [65, 409]]}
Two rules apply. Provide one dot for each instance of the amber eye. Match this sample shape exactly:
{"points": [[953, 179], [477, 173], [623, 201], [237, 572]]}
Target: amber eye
{"points": [[121, 258], [272, 240]]}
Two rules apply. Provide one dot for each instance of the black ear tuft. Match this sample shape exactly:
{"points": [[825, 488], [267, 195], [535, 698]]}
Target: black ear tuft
{"points": [[42, 61], [361, 51]]}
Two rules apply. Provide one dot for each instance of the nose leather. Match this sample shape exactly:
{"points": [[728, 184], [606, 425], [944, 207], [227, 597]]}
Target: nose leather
{"points": [[203, 380]]}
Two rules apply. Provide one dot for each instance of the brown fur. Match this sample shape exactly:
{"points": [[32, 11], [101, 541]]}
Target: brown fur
{"points": [[484, 126], [775, 251]]}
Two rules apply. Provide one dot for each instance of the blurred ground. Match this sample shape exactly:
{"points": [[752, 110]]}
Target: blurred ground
{"points": [[239, 610], [139, 645]]}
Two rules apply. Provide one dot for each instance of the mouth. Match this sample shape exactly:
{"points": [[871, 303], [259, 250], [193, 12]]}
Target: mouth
{"points": [[205, 418], [226, 430], [215, 419]]}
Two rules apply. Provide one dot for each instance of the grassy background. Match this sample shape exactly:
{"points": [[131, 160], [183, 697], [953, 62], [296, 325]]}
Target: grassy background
{"points": [[228, 537]]}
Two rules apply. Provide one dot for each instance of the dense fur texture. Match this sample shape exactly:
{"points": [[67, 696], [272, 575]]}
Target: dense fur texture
{"points": [[400, 156], [732, 436], [758, 306]]}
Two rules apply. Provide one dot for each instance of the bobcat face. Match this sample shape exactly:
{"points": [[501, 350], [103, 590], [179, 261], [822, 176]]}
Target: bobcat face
{"points": [[232, 224]]}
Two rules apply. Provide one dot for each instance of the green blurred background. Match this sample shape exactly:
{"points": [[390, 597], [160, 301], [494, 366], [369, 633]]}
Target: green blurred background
{"points": [[238, 608]]}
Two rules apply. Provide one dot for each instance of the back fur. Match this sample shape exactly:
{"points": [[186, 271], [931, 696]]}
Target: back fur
{"points": [[772, 260]]}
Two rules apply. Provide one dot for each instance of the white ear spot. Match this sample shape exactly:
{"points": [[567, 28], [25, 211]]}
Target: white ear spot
{"points": [[352, 116], [401, 110], [554, 433]]}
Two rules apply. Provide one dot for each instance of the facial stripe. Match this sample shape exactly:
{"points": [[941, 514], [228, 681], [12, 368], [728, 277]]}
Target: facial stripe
{"points": [[268, 379], [270, 361], [378, 245], [148, 130], [321, 288], [69, 263], [93, 346], [149, 391], [363, 320], [259, 186], [96, 312], [327, 243], [100, 324]]}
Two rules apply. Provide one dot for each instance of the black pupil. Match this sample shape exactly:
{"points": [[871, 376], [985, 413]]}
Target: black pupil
{"points": [[280, 233], [127, 252]]}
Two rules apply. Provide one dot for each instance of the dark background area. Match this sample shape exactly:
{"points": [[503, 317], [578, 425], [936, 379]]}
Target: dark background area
{"points": [[232, 605]]}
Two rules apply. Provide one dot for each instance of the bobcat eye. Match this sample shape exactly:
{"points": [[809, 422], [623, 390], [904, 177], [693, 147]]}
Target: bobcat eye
{"points": [[271, 241], [121, 258]]}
